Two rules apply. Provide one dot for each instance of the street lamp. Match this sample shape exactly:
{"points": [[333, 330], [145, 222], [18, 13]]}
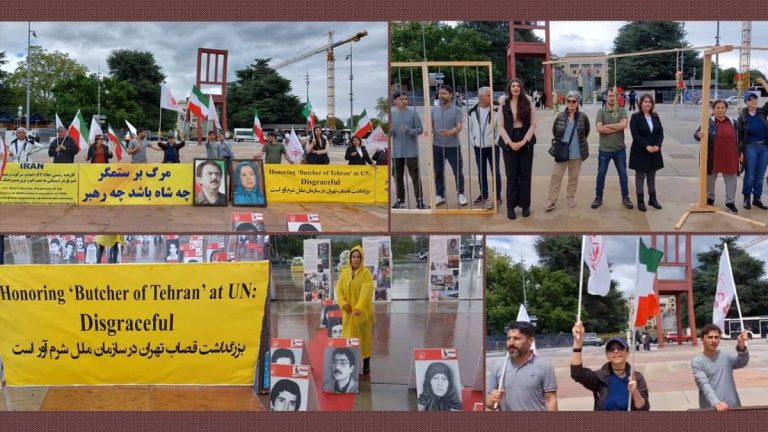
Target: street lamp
{"points": [[30, 33], [525, 297], [351, 94]]}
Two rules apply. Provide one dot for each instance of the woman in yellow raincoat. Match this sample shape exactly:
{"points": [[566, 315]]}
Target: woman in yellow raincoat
{"points": [[354, 293]]}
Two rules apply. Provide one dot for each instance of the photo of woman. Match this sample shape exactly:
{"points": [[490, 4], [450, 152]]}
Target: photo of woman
{"points": [[248, 183], [172, 254], [439, 390]]}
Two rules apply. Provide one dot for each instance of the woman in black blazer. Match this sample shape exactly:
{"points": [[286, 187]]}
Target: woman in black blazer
{"points": [[357, 154], [645, 154]]}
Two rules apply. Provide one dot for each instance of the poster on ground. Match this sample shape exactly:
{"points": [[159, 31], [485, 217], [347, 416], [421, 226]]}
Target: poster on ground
{"points": [[444, 267], [377, 253], [318, 285], [438, 384]]}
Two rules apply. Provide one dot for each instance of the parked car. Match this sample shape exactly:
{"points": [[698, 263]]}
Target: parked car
{"points": [[673, 337], [593, 339], [733, 100], [423, 255]]}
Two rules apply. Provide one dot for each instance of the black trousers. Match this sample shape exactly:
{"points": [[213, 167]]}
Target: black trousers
{"points": [[518, 167], [398, 171]]}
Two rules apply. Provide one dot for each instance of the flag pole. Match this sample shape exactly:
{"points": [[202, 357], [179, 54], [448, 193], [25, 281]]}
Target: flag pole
{"points": [[634, 351], [160, 124], [733, 283], [501, 382], [581, 277]]}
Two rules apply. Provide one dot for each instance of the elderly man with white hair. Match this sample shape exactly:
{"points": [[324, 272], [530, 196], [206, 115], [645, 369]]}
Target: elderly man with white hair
{"points": [[482, 123], [21, 147]]}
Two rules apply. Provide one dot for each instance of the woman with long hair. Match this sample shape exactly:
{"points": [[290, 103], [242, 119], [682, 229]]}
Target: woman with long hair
{"points": [[357, 154], [645, 154], [517, 125], [439, 391], [317, 148], [248, 184], [570, 126]]}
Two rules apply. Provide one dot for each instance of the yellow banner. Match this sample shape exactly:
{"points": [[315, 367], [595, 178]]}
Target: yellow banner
{"points": [[132, 323], [130, 184], [39, 183], [382, 184], [334, 184]]}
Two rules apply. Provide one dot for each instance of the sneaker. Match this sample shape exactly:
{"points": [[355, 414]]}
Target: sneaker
{"points": [[479, 200], [597, 202], [731, 208], [627, 203], [439, 200], [571, 202], [550, 206], [710, 201], [759, 204], [398, 205], [420, 204], [462, 200]]}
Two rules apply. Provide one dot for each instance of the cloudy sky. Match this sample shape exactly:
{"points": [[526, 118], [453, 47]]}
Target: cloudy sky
{"points": [[582, 36], [620, 251], [175, 48]]}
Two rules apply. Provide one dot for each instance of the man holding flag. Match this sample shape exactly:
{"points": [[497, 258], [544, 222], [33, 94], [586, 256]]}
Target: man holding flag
{"points": [[62, 149], [712, 369], [528, 382]]}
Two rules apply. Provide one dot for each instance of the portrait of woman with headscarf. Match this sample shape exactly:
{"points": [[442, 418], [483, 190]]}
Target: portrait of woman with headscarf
{"points": [[439, 391], [248, 184]]}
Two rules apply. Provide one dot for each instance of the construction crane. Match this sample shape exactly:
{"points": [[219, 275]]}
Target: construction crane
{"points": [[744, 60], [331, 69]]}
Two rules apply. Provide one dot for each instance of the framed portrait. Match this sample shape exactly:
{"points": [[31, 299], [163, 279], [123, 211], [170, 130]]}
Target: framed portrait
{"points": [[248, 188], [438, 384], [210, 183], [289, 387], [341, 366]]}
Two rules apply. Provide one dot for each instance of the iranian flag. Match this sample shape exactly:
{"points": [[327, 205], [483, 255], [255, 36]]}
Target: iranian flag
{"points": [[198, 103], [95, 130], [726, 289], [309, 114], [257, 130], [364, 125], [78, 130], [646, 302], [112, 136], [597, 262], [58, 122], [212, 114]]}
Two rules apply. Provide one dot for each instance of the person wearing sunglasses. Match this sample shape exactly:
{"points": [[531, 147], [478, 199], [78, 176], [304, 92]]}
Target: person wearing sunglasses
{"points": [[571, 126], [615, 381]]}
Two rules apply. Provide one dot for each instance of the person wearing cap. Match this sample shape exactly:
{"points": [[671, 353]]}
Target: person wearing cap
{"points": [[529, 383], [63, 148], [170, 149], [752, 126], [21, 147], [713, 370], [615, 381]]}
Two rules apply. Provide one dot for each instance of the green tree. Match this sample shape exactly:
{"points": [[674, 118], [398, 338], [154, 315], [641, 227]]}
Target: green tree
{"points": [[382, 108], [118, 99], [46, 69], [599, 314], [747, 274], [504, 291], [260, 87], [141, 71], [7, 102], [638, 36], [402, 246]]}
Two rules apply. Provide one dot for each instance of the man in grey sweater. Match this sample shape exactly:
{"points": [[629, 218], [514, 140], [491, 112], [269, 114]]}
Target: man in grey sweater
{"points": [[713, 370], [406, 128]]}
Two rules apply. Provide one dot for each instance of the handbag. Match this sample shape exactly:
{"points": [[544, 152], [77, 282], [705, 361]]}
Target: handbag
{"points": [[560, 150]]}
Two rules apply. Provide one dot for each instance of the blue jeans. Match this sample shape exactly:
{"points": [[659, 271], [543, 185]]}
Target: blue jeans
{"points": [[604, 158], [756, 162], [452, 154], [483, 157]]}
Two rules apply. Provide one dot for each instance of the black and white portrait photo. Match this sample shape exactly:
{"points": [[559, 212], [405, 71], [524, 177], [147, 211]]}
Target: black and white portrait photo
{"points": [[438, 386], [341, 369]]}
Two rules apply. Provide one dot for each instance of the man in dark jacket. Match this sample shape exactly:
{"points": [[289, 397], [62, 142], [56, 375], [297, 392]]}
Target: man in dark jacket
{"points": [[63, 149], [615, 381]]}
